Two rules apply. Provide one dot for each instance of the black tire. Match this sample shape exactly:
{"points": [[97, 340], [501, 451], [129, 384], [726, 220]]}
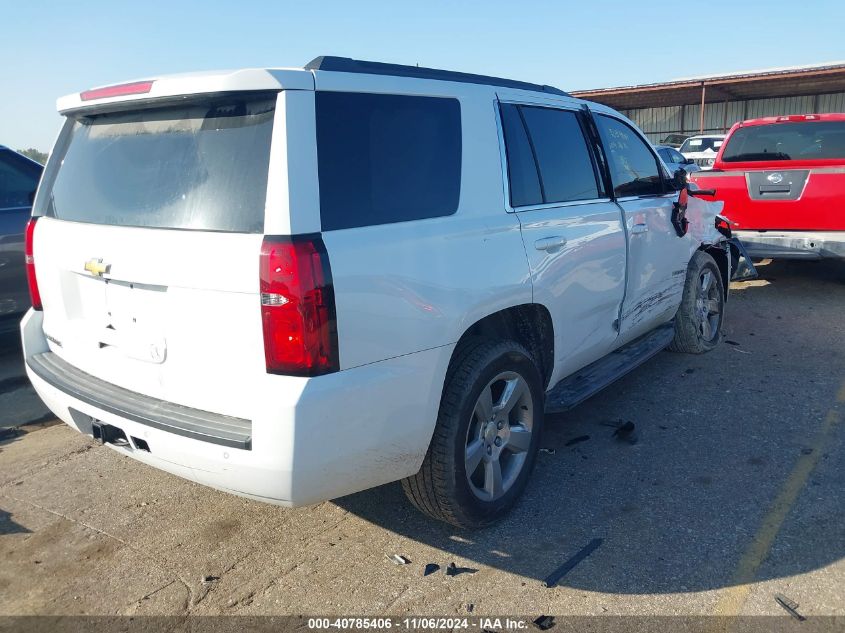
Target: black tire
{"points": [[697, 328], [442, 489]]}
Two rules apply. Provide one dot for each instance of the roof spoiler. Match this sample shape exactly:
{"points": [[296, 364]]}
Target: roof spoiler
{"points": [[348, 65]]}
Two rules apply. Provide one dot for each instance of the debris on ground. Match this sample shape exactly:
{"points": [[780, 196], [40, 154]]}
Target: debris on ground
{"points": [[626, 433], [470, 607], [577, 440], [625, 429], [741, 351], [398, 559], [544, 622], [452, 570], [207, 580], [430, 569], [730, 342], [806, 451], [790, 605], [569, 565], [549, 451]]}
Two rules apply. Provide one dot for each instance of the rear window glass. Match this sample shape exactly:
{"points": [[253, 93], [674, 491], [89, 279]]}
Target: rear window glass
{"points": [[692, 145], [800, 140], [386, 158], [201, 166]]}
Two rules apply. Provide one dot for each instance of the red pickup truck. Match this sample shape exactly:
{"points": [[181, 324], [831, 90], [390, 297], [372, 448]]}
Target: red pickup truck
{"points": [[782, 180]]}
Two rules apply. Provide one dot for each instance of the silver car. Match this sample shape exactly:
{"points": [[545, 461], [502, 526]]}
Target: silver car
{"points": [[674, 160], [19, 178]]}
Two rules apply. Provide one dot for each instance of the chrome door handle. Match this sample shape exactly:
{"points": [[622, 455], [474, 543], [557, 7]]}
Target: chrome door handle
{"points": [[550, 243], [639, 228]]}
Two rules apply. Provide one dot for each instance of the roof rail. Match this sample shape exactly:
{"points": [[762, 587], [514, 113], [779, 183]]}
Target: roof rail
{"points": [[348, 65]]}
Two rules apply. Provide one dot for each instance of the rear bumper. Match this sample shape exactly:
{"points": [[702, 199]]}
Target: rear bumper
{"points": [[309, 440], [188, 422], [793, 244]]}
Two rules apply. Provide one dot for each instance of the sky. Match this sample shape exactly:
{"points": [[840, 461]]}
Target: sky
{"points": [[50, 48]]}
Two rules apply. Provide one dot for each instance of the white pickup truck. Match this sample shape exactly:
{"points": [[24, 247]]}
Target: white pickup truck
{"points": [[295, 284]]}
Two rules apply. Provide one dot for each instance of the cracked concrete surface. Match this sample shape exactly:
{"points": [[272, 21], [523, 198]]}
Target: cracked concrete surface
{"points": [[86, 530]]}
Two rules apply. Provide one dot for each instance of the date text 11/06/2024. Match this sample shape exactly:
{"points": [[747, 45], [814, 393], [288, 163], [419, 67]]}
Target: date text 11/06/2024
{"points": [[419, 623]]}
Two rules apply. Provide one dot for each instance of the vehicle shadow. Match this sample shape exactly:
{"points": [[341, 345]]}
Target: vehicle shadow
{"points": [[718, 437], [19, 404], [8, 526]]}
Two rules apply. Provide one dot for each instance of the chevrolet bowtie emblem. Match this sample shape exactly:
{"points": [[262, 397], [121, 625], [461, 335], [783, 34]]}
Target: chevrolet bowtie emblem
{"points": [[96, 267]]}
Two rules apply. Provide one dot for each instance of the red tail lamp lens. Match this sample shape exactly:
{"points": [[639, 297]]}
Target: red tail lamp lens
{"points": [[297, 306], [34, 294]]}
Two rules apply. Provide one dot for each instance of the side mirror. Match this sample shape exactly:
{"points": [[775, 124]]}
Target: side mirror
{"points": [[688, 161], [679, 179]]}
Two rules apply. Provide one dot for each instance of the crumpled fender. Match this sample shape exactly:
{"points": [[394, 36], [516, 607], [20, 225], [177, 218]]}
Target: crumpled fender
{"points": [[708, 227], [701, 215]]}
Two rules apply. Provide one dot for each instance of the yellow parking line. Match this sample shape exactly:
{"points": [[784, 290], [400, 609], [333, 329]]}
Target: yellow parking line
{"points": [[733, 598]]}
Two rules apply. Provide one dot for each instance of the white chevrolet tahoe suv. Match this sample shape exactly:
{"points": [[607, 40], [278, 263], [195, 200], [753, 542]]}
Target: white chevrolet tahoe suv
{"points": [[295, 284]]}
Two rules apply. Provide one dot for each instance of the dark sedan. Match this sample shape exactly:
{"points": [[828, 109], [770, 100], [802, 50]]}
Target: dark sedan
{"points": [[19, 178]]}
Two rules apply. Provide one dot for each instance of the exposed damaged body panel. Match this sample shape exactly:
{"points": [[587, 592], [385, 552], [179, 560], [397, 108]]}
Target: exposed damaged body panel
{"points": [[659, 255]]}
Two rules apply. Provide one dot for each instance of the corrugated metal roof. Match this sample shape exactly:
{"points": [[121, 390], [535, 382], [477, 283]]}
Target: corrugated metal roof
{"points": [[721, 76], [791, 81], [764, 71]]}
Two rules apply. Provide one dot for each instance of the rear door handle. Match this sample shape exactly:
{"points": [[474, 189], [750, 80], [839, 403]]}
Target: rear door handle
{"points": [[639, 228], [550, 243]]}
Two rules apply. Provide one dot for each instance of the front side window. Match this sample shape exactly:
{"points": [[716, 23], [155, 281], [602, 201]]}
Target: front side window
{"points": [[633, 167], [200, 166], [386, 158], [18, 180], [801, 140], [548, 156]]}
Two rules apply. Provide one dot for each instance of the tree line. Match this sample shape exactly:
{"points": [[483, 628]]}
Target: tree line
{"points": [[34, 154]]}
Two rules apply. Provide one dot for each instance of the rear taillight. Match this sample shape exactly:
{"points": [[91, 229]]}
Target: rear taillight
{"points": [[297, 306], [34, 295]]}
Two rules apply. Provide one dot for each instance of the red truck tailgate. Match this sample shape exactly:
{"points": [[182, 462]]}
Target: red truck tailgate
{"points": [[792, 198]]}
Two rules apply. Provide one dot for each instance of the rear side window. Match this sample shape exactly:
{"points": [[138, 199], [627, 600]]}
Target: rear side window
{"points": [[522, 168], [386, 158], [633, 167], [801, 140], [548, 157], [201, 166], [18, 180], [566, 169]]}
